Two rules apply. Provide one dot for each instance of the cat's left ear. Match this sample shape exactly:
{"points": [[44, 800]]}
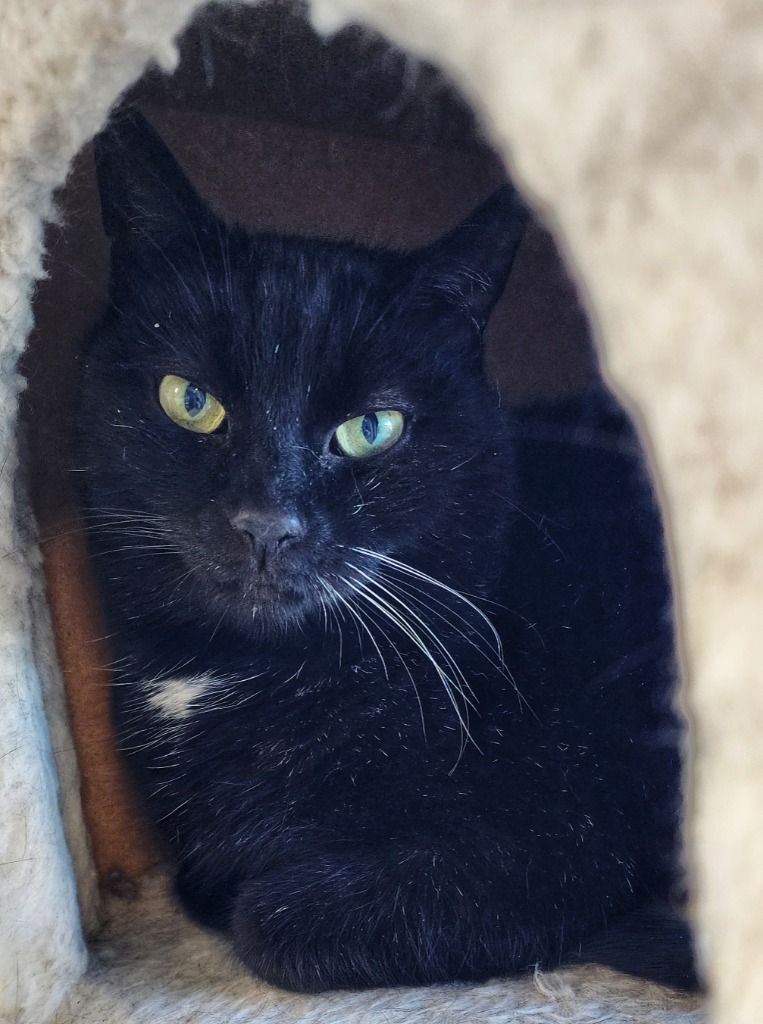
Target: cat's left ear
{"points": [[469, 266], [144, 194]]}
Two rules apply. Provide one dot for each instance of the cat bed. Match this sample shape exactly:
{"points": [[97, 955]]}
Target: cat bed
{"points": [[635, 130]]}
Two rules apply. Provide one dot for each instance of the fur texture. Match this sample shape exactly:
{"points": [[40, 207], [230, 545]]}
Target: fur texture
{"points": [[351, 780]]}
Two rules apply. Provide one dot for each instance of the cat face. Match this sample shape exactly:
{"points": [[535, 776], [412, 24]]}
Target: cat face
{"points": [[262, 417]]}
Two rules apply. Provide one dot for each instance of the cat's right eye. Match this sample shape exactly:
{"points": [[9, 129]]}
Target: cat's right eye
{"points": [[369, 434], [189, 406]]}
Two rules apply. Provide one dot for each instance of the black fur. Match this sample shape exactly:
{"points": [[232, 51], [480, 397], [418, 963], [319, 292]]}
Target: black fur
{"points": [[342, 800]]}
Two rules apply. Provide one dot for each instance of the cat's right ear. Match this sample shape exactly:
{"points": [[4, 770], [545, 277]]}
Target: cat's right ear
{"points": [[144, 193], [467, 269]]}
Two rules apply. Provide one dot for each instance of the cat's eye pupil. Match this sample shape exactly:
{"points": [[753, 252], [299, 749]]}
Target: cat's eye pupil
{"points": [[194, 400], [370, 427]]}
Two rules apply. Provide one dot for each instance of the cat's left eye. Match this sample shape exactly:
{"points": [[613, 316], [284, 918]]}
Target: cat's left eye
{"points": [[189, 406], [369, 434]]}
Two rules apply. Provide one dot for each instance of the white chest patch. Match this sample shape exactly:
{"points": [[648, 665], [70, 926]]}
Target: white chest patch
{"points": [[178, 699]]}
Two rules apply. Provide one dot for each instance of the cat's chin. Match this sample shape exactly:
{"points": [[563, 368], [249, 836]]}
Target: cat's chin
{"points": [[281, 610]]}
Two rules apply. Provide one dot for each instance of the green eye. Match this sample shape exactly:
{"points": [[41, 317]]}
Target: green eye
{"points": [[189, 406], [369, 434]]}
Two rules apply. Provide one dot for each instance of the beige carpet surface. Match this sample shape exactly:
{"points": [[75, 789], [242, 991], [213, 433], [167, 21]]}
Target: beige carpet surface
{"points": [[151, 966]]}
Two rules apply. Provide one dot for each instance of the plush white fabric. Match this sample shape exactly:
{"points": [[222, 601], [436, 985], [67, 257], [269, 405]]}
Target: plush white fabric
{"points": [[62, 64], [638, 128], [41, 949]]}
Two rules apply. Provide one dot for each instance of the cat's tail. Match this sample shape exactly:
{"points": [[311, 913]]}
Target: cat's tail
{"points": [[653, 942]]}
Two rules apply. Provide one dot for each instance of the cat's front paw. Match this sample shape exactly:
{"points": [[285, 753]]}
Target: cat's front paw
{"points": [[368, 918], [300, 929], [207, 903]]}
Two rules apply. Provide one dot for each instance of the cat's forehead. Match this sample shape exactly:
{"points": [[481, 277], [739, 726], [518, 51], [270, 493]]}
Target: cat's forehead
{"points": [[272, 326], [305, 312], [310, 282]]}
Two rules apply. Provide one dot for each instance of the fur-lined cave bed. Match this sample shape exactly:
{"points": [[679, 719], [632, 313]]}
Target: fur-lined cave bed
{"points": [[635, 131]]}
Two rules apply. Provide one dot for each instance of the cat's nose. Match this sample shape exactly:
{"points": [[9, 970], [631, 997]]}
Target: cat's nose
{"points": [[270, 533]]}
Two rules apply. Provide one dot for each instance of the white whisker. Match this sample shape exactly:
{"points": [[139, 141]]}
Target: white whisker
{"points": [[426, 578], [399, 619], [355, 615], [391, 643], [494, 652], [403, 608], [424, 602]]}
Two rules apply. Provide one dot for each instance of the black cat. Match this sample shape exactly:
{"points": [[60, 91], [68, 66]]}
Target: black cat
{"points": [[395, 662]]}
